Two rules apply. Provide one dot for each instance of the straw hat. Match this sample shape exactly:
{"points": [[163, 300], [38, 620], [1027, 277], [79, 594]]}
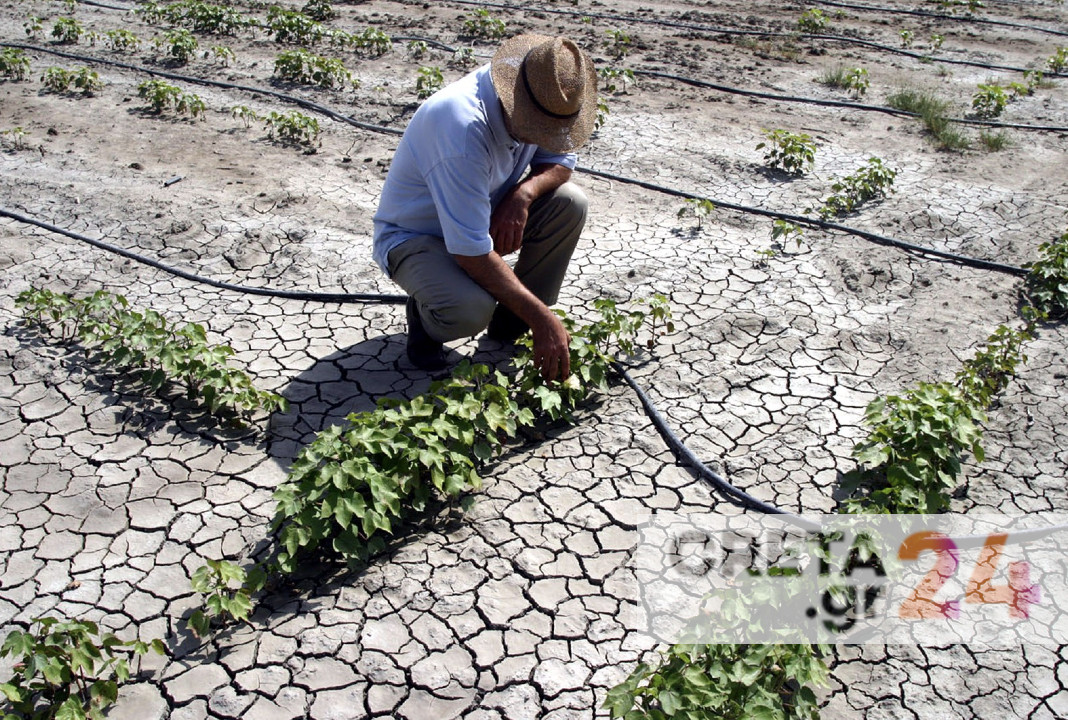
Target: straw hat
{"points": [[548, 88]]}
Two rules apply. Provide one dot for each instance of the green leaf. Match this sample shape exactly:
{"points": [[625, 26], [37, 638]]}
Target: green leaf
{"points": [[70, 709]]}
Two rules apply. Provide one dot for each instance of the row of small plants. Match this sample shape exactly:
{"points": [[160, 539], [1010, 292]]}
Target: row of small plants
{"points": [[911, 460], [146, 343]]}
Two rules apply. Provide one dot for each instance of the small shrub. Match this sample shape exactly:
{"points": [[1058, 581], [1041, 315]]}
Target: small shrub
{"points": [[994, 365], [1035, 79], [179, 45], [726, 682], [221, 54], [428, 82], [994, 141], [463, 57], [611, 76], [989, 100], [1046, 286], [83, 79], [161, 95], [67, 31], [907, 37], [320, 10], [32, 26], [227, 591], [122, 40], [480, 23], [617, 44], [699, 208], [200, 17], [14, 64], [295, 28], [65, 670], [301, 66], [936, 41], [418, 49], [854, 80], [372, 42], [792, 152], [246, 114], [1058, 61], [292, 128], [812, 21], [871, 181]]}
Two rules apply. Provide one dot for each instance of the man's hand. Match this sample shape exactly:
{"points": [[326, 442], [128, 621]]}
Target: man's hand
{"points": [[552, 349], [509, 219]]}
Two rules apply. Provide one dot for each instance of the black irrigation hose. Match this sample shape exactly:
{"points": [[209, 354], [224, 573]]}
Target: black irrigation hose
{"points": [[193, 277], [942, 16], [798, 219], [758, 33]]}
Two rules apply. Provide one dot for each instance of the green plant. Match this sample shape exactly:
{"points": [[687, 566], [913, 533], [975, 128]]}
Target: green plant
{"points": [[700, 208], [993, 366], [912, 456], [1035, 79], [67, 30], [617, 44], [790, 151], [463, 57], [245, 114], [1058, 60], [989, 100], [357, 482], [17, 134], [936, 41], [611, 75], [812, 21], [66, 670], [320, 10], [480, 23], [122, 40], [854, 80], [227, 591], [292, 128], [200, 17], [428, 82], [295, 28], [847, 194], [372, 42], [301, 66], [933, 113], [1046, 285], [161, 95], [994, 141], [603, 111], [417, 49], [32, 26], [179, 45], [83, 79], [906, 38], [221, 54], [783, 230], [970, 6], [163, 353], [726, 682], [14, 64]]}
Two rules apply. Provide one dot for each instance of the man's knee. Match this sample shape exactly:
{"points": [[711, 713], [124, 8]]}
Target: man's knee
{"points": [[466, 317], [573, 200]]}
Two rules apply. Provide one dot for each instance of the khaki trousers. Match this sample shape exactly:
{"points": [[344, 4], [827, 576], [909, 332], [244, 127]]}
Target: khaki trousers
{"points": [[452, 305]]}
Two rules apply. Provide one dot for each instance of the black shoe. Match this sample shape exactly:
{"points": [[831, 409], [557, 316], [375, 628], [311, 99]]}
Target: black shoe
{"points": [[505, 327], [424, 352]]}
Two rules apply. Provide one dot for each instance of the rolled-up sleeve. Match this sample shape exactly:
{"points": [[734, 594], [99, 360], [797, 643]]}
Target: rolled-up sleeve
{"points": [[544, 157]]}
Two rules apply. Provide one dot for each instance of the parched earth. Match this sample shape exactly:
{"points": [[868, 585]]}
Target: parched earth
{"points": [[518, 608]]}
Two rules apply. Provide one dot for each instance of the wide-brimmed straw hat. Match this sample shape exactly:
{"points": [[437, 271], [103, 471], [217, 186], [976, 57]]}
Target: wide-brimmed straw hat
{"points": [[548, 87]]}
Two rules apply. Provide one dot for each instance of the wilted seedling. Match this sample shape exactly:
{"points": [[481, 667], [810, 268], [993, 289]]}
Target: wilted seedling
{"points": [[700, 208], [32, 26], [617, 44], [16, 135], [603, 112], [906, 38], [245, 114], [221, 54], [936, 41], [417, 49], [428, 82]]}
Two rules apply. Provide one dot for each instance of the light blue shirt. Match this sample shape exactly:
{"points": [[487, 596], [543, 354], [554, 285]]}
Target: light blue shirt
{"points": [[453, 165]]}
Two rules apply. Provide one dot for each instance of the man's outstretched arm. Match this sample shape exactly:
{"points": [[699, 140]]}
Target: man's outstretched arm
{"points": [[510, 216], [552, 353]]}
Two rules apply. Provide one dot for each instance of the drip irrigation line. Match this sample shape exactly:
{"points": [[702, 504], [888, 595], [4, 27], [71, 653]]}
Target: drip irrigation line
{"points": [[712, 30], [380, 298], [940, 16]]}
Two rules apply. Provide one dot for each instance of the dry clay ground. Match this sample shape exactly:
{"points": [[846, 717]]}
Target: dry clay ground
{"points": [[519, 608]]}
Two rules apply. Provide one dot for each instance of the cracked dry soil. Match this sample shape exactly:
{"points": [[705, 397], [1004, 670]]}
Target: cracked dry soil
{"points": [[517, 609]]}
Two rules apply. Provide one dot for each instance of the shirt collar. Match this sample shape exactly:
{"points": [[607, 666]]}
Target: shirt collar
{"points": [[487, 95]]}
